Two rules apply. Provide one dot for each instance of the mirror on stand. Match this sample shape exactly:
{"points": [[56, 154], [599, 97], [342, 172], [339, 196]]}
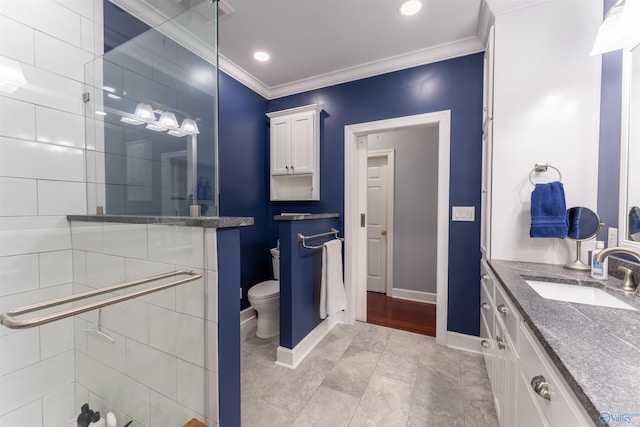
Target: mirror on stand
{"points": [[584, 224]]}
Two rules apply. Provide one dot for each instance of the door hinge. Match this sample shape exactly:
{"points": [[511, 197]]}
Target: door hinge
{"points": [[363, 222]]}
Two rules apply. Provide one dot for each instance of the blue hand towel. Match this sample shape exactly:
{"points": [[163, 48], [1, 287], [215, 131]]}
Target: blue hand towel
{"points": [[549, 211]]}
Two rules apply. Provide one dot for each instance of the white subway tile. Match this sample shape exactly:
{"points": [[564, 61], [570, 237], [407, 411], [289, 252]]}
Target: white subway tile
{"points": [[212, 295], [49, 50], [79, 325], [88, 35], [18, 274], [79, 267], [59, 127], [21, 47], [211, 249], [190, 298], [212, 346], [176, 245], [26, 159], [112, 354], [136, 269], [17, 119], [165, 412], [18, 196], [59, 408], [28, 415], [97, 403], [56, 268], [212, 396], [62, 198], [83, 7], [56, 338], [130, 396], [87, 236], [19, 349], [23, 235], [45, 16], [151, 367], [129, 318], [37, 380], [126, 240], [177, 334], [91, 374], [103, 270], [191, 386]]}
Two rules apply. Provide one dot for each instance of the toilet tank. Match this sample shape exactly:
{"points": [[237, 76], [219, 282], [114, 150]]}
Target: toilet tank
{"points": [[275, 262]]}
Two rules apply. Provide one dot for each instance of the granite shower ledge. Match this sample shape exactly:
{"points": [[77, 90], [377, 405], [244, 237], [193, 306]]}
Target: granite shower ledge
{"points": [[596, 349], [185, 221], [304, 216]]}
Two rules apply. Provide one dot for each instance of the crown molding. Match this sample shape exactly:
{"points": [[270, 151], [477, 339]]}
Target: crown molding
{"points": [[485, 21], [413, 59]]}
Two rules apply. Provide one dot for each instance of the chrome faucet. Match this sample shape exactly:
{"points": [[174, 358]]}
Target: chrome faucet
{"points": [[628, 283]]}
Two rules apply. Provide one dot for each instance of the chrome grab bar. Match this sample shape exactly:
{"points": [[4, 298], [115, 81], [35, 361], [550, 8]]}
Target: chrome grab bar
{"points": [[302, 238], [8, 318]]}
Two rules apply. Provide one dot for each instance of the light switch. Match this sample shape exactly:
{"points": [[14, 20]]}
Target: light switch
{"points": [[463, 213]]}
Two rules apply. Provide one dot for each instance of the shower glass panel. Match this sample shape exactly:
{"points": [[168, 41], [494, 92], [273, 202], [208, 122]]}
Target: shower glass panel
{"points": [[151, 112]]}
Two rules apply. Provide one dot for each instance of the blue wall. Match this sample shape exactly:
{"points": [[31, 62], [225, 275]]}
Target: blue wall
{"points": [[455, 85]]}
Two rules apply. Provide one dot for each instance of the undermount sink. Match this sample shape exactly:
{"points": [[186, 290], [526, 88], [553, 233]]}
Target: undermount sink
{"points": [[577, 294]]}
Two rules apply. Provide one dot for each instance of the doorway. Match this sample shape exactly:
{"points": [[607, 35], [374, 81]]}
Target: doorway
{"points": [[356, 211]]}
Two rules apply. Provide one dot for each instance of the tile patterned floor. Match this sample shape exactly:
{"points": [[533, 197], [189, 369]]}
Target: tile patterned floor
{"points": [[365, 375]]}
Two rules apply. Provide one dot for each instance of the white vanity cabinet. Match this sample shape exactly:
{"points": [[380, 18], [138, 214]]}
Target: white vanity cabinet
{"points": [[528, 390], [295, 153]]}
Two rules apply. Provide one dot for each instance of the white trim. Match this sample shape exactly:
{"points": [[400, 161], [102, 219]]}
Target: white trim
{"points": [[485, 21], [291, 358], [389, 154], [236, 72], [408, 294], [247, 314], [464, 342], [355, 203]]}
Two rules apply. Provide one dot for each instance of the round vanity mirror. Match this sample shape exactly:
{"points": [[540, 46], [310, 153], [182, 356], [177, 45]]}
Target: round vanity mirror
{"points": [[584, 224]]}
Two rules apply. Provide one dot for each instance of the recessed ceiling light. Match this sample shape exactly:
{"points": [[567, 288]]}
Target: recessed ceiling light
{"points": [[410, 7], [261, 56]]}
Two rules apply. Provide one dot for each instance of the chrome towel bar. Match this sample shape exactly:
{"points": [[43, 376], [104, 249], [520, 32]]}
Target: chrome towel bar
{"points": [[8, 319], [302, 238]]}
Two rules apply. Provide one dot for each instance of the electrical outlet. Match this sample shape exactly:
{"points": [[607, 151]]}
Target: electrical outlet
{"points": [[463, 213], [612, 237]]}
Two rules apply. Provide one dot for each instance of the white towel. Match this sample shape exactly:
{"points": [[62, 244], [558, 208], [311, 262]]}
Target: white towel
{"points": [[332, 295]]}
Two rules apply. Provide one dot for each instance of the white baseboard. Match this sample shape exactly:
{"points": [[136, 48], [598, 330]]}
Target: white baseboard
{"points": [[291, 358], [464, 342], [407, 294], [247, 314]]}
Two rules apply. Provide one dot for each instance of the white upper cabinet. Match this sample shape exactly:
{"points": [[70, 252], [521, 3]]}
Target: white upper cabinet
{"points": [[295, 153]]}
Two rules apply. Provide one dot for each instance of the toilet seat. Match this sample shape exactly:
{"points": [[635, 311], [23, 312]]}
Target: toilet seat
{"points": [[265, 290]]}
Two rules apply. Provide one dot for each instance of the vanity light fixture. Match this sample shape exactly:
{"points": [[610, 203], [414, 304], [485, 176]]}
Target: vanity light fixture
{"points": [[410, 7], [189, 127], [261, 56], [144, 112], [168, 120], [131, 121], [11, 76], [620, 28], [155, 127], [176, 132]]}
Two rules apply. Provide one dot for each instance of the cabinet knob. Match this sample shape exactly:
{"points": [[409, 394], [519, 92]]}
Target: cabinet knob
{"points": [[503, 309], [484, 306], [500, 342], [484, 276], [541, 387], [383, 232], [287, 168], [292, 168], [485, 344]]}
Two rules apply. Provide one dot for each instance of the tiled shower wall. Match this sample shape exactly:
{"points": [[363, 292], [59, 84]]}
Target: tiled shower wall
{"points": [[42, 179], [165, 353]]}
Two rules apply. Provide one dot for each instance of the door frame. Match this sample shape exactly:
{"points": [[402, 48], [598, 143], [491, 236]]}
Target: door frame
{"points": [[388, 154], [355, 204]]}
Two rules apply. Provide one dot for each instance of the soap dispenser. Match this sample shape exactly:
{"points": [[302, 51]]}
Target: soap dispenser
{"points": [[599, 269], [97, 420]]}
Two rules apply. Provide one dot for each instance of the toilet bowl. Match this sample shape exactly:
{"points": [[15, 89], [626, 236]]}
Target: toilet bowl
{"points": [[264, 297]]}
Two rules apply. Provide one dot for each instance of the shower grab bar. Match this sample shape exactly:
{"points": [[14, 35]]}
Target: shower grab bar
{"points": [[8, 318], [302, 238]]}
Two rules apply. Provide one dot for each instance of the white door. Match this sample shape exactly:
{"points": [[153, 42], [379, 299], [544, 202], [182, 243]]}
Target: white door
{"points": [[377, 206]]}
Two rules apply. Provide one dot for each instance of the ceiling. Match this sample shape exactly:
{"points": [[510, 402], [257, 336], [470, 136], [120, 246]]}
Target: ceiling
{"points": [[315, 43]]}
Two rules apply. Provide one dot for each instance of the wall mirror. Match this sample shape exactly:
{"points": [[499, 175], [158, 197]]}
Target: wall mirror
{"points": [[629, 219], [584, 224]]}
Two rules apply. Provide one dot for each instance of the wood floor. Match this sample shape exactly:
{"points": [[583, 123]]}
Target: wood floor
{"points": [[401, 314]]}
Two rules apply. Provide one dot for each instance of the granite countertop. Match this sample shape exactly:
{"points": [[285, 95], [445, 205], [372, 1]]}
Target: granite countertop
{"points": [[185, 221], [596, 349]]}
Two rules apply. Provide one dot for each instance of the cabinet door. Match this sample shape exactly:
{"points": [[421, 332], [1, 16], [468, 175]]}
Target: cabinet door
{"points": [[529, 414], [302, 143], [280, 145]]}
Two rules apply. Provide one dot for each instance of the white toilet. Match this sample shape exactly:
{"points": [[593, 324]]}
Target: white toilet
{"points": [[265, 300]]}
